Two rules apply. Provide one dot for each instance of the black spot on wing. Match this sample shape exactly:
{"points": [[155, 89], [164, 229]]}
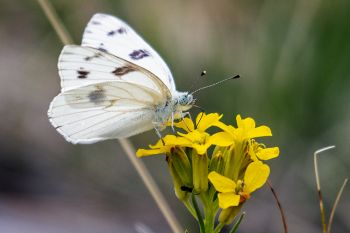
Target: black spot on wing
{"points": [[102, 49], [123, 70], [82, 73], [111, 33], [170, 79], [139, 54], [97, 96], [95, 22], [119, 31], [88, 58]]}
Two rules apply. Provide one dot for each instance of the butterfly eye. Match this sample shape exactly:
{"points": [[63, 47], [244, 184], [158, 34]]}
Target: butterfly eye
{"points": [[190, 98]]}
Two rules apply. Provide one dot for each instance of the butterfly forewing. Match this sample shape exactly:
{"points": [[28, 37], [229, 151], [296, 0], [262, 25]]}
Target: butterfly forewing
{"points": [[111, 35], [80, 66]]}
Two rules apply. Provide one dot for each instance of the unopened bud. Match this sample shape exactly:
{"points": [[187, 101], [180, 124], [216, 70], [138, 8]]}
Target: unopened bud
{"points": [[217, 162], [182, 166], [200, 172], [229, 214]]}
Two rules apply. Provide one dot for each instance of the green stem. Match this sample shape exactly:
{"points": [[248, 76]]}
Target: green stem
{"points": [[210, 208], [235, 227], [209, 220], [190, 208], [198, 212], [219, 227]]}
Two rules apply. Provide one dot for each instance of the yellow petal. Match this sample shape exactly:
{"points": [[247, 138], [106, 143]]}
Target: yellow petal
{"points": [[200, 116], [171, 140], [228, 199], [186, 124], [221, 139], [201, 149], [223, 126], [247, 123], [207, 121], [255, 176], [194, 136], [143, 152], [268, 153], [261, 131], [221, 183], [159, 144]]}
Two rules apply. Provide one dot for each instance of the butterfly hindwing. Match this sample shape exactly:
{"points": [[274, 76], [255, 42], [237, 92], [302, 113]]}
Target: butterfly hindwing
{"points": [[103, 111], [110, 34]]}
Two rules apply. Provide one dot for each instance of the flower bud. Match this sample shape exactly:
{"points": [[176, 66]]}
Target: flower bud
{"points": [[200, 172], [217, 162], [180, 194], [234, 158], [229, 214], [181, 166]]}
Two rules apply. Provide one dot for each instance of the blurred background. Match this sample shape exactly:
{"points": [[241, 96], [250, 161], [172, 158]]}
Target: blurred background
{"points": [[294, 60]]}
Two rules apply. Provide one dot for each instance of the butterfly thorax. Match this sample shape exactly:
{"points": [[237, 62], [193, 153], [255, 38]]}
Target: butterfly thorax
{"points": [[173, 109]]}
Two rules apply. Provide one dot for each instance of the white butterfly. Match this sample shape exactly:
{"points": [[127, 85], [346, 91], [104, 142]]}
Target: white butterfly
{"points": [[113, 86]]}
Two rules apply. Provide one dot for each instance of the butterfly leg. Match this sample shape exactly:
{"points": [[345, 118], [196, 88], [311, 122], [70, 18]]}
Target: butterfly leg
{"points": [[186, 114], [183, 114], [172, 122], [158, 132]]}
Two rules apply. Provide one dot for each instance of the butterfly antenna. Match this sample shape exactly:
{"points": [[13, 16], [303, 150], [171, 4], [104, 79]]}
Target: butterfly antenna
{"points": [[214, 84]]}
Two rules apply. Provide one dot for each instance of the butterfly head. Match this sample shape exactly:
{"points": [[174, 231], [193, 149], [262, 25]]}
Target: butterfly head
{"points": [[185, 101]]}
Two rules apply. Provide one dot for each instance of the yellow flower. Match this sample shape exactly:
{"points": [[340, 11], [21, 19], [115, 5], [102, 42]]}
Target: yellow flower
{"points": [[233, 193], [203, 122], [259, 151], [195, 138], [246, 129], [201, 141]]}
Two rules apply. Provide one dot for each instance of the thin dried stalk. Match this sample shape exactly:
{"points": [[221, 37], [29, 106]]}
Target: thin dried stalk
{"points": [[323, 215], [283, 217], [330, 221]]}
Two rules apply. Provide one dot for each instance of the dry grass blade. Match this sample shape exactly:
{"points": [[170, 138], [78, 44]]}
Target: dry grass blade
{"points": [[55, 22], [284, 220], [323, 216], [330, 221]]}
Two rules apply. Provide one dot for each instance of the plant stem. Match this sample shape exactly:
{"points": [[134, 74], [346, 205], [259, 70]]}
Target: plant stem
{"points": [[198, 212], [125, 143], [55, 22], [335, 205], [151, 186], [219, 227], [209, 220], [323, 216], [284, 220], [190, 208], [235, 227]]}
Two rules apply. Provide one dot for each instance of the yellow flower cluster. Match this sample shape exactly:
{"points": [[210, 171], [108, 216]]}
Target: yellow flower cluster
{"points": [[223, 168]]}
